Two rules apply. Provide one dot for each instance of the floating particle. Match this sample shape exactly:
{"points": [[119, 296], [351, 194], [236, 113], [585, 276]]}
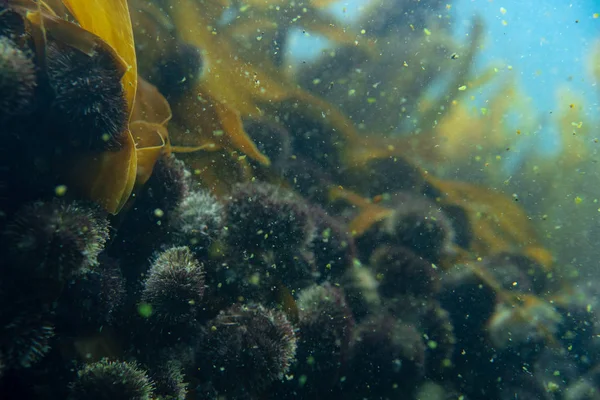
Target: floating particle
{"points": [[351, 92], [502, 10], [552, 387], [462, 88], [596, 15], [484, 111], [504, 22], [510, 67], [427, 32], [371, 100], [145, 310], [316, 81], [362, 31], [578, 200], [60, 190]]}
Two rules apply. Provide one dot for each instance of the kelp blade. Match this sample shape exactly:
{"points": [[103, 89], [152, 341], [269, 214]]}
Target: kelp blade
{"points": [[110, 20]]}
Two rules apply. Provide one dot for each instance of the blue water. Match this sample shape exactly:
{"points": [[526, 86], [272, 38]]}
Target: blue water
{"points": [[547, 43]]}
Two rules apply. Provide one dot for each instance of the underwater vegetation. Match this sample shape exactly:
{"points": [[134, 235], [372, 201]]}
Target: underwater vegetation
{"points": [[185, 216]]}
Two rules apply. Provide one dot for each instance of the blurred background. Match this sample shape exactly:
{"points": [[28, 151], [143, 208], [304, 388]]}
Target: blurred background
{"points": [[530, 131]]}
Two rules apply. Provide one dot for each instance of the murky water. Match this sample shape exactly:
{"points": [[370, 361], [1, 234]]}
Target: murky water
{"points": [[264, 199]]}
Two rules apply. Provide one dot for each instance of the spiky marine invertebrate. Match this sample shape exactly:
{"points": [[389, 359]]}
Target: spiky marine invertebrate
{"points": [[518, 272], [579, 328], [458, 217], [362, 290], [387, 356], [179, 70], [168, 186], [17, 79], [261, 216], [332, 246], [175, 285], [419, 224], [245, 348], [55, 239], [401, 272], [533, 321], [384, 175], [521, 385], [440, 341], [88, 96], [273, 140], [557, 369], [170, 381], [197, 221], [24, 339], [93, 299], [469, 300], [111, 380], [586, 387], [325, 332]]}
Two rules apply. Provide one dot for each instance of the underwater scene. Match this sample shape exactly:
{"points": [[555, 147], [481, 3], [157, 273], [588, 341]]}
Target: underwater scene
{"points": [[299, 199]]}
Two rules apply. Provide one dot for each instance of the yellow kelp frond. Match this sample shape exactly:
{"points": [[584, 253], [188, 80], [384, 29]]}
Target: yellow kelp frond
{"points": [[229, 88], [576, 130], [498, 222], [288, 15], [108, 177], [215, 125], [148, 126], [109, 19], [457, 84], [104, 176], [368, 215], [594, 63]]}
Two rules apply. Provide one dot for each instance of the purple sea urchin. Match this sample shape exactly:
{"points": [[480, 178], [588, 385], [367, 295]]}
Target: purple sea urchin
{"points": [[325, 333], [168, 186], [332, 246], [265, 217], [400, 272], [175, 285], [179, 70], [387, 355], [94, 299], [419, 224], [88, 95], [245, 348], [273, 140], [111, 380], [518, 272], [440, 341], [17, 80], [197, 221], [24, 340], [169, 381], [55, 240]]}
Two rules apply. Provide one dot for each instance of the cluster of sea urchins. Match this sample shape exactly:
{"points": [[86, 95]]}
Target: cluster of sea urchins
{"points": [[262, 293]]}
